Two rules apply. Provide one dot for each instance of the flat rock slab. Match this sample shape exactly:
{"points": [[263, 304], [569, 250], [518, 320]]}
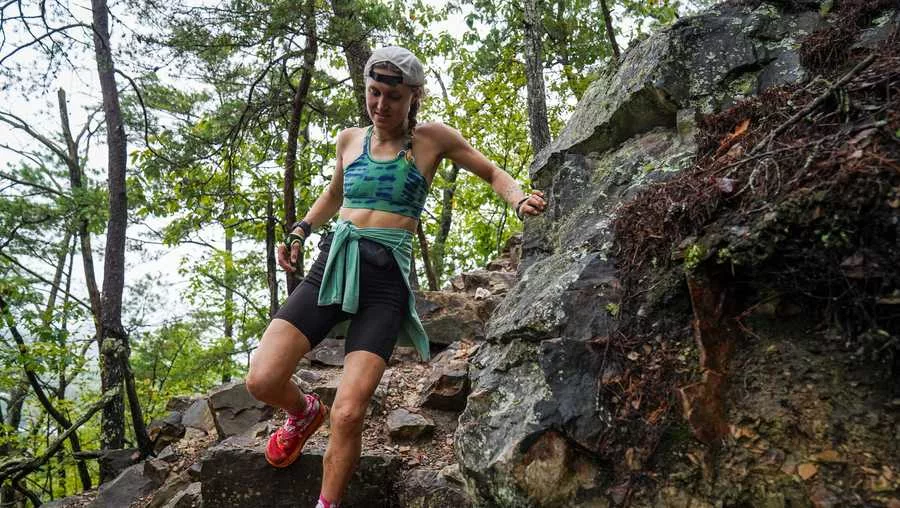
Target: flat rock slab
{"points": [[191, 497], [198, 416], [235, 474], [431, 489], [404, 425], [449, 317], [134, 482], [235, 410]]}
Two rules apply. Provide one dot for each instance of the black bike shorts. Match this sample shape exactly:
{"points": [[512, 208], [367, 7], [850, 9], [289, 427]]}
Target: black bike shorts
{"points": [[383, 302]]}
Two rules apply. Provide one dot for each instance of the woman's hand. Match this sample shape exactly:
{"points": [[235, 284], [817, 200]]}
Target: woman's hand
{"points": [[532, 204], [287, 259]]}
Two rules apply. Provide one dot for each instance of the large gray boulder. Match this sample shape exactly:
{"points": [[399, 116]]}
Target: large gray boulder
{"points": [[235, 474], [706, 61], [533, 430]]}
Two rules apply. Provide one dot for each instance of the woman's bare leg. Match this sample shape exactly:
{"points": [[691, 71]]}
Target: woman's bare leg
{"points": [[269, 380], [362, 373]]}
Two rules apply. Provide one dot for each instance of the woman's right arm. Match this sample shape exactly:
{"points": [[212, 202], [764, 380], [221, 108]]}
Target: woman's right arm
{"points": [[325, 207]]}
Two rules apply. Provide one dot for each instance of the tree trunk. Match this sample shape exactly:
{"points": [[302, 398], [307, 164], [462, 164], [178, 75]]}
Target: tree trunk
{"points": [[413, 275], [610, 34], [12, 419], [310, 52], [438, 253], [75, 181], [57, 278], [271, 273], [534, 75], [423, 248], [445, 222], [352, 36], [114, 348], [229, 299]]}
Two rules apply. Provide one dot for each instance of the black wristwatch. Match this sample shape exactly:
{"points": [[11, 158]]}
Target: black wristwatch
{"points": [[307, 229]]}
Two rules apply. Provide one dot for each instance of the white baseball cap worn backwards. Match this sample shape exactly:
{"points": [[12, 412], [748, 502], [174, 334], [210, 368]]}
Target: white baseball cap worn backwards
{"points": [[411, 69]]}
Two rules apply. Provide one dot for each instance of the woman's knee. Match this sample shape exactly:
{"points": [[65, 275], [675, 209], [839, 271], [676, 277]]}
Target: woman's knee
{"points": [[274, 361], [347, 416], [262, 385]]}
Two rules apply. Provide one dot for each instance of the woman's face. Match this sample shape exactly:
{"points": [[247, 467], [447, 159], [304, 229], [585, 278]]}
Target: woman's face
{"points": [[388, 106]]}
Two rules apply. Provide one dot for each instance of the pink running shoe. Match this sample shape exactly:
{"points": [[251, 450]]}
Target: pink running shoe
{"points": [[286, 443]]}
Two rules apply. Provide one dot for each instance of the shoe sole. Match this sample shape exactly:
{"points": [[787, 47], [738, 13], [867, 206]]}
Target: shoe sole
{"points": [[313, 427]]}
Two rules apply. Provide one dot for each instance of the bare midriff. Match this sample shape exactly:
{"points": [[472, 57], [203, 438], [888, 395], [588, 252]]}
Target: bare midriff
{"points": [[365, 218]]}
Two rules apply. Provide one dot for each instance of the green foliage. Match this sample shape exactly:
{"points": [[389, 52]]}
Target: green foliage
{"points": [[694, 254], [613, 309], [176, 359]]}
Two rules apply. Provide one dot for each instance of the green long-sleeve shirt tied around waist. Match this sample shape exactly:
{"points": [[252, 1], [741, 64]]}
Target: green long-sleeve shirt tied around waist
{"points": [[340, 282]]}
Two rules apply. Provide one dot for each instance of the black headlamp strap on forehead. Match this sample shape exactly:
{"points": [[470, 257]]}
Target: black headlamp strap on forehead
{"points": [[384, 78]]}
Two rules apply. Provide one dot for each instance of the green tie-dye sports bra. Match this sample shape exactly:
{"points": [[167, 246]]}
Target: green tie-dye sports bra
{"points": [[394, 186]]}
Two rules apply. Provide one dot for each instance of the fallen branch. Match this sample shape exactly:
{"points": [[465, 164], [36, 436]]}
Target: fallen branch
{"points": [[19, 467], [814, 104]]}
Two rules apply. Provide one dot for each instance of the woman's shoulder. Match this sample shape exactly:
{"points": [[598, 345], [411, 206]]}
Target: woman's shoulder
{"points": [[436, 131], [349, 134]]}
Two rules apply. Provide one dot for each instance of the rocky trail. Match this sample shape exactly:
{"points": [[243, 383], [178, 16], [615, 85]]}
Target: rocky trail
{"points": [[210, 448]]}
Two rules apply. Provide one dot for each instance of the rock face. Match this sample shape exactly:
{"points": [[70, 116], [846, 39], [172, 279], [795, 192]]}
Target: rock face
{"points": [[706, 61], [534, 427], [296, 485]]}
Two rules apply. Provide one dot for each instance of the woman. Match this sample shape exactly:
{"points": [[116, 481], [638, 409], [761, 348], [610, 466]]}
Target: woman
{"points": [[379, 189]]}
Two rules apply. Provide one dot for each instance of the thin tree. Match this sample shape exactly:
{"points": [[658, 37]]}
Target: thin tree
{"points": [[310, 53], [610, 33], [534, 74], [352, 35], [114, 347]]}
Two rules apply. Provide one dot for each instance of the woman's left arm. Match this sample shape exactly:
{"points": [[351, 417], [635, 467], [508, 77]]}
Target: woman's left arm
{"points": [[458, 150]]}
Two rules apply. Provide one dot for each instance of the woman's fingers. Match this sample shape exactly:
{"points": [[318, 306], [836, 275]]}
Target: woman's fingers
{"points": [[535, 203], [296, 245], [282, 259]]}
